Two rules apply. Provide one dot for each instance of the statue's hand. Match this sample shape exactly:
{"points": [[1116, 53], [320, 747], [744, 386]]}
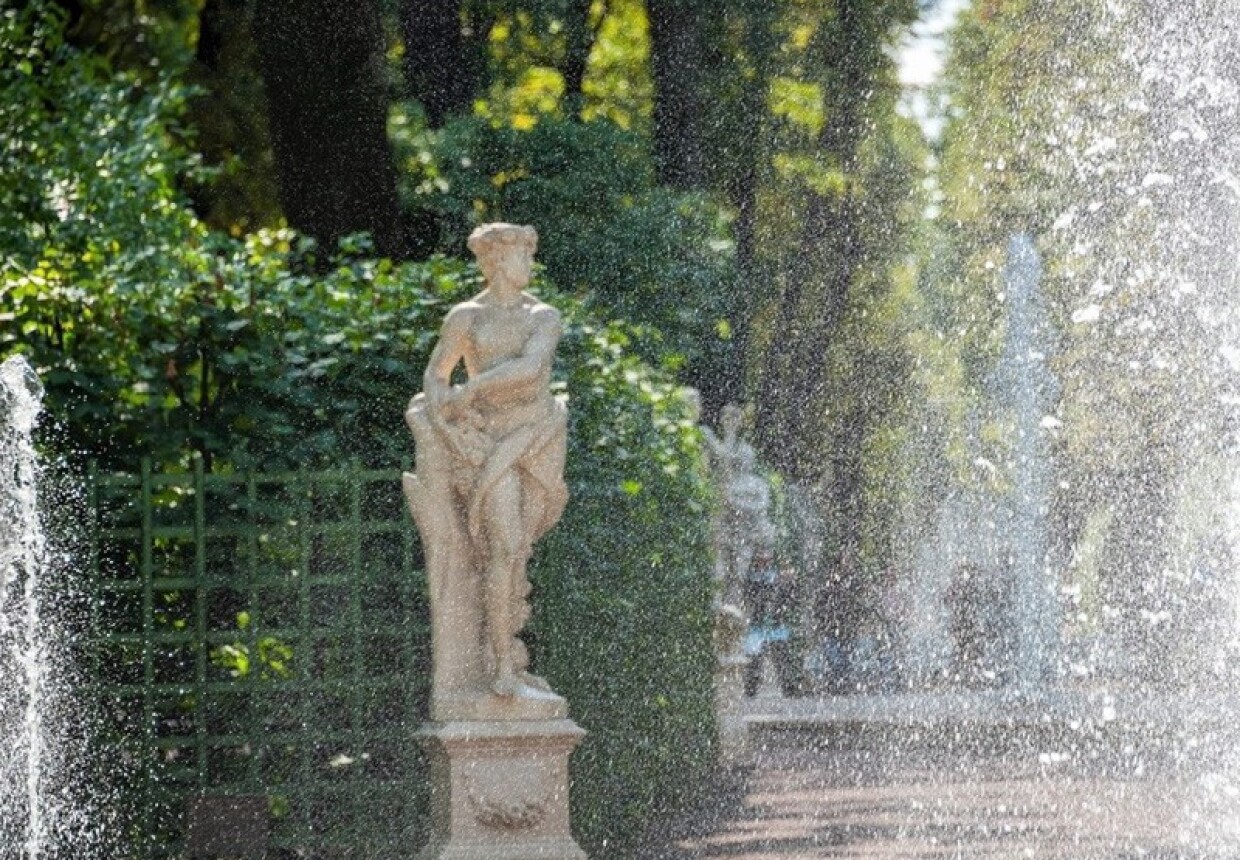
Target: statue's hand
{"points": [[457, 408], [417, 407], [472, 443], [465, 426]]}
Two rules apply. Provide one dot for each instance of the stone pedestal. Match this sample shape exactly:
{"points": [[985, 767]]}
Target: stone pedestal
{"points": [[499, 789], [730, 664], [729, 710]]}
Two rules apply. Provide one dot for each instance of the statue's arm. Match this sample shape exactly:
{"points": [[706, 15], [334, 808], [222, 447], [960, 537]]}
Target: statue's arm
{"points": [[713, 446], [442, 400], [449, 350], [531, 368]]}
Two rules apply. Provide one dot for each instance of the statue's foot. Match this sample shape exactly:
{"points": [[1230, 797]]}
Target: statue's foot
{"points": [[524, 686], [536, 682], [507, 685]]}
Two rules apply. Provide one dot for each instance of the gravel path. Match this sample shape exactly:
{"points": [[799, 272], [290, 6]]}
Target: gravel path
{"points": [[892, 793]]}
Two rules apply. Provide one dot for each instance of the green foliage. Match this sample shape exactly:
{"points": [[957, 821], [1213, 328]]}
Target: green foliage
{"points": [[269, 659], [623, 625], [87, 165], [530, 44], [98, 250], [617, 84], [159, 338], [147, 37], [607, 232]]}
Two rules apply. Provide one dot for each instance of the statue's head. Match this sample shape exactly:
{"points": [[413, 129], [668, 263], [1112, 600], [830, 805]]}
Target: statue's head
{"points": [[730, 418], [505, 253]]}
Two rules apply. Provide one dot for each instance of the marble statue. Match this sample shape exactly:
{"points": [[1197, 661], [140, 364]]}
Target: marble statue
{"points": [[742, 527], [489, 482], [743, 524]]}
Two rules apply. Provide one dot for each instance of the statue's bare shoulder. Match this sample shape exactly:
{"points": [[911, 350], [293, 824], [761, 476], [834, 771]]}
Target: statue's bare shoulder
{"points": [[461, 316], [543, 314]]}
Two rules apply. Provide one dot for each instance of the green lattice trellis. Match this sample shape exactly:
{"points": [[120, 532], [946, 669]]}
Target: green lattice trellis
{"points": [[263, 635]]}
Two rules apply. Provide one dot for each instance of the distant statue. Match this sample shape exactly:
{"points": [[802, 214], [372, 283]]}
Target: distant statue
{"points": [[743, 524], [489, 482]]}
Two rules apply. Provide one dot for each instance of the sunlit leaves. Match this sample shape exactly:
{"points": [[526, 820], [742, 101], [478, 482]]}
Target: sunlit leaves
{"points": [[800, 102], [617, 84]]}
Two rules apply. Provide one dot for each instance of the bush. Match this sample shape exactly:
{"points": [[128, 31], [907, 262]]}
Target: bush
{"points": [[624, 590], [159, 338], [609, 233]]}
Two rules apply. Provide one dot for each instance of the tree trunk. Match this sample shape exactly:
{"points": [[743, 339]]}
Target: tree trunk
{"points": [[793, 428], [579, 40], [229, 117], [322, 67], [794, 425], [444, 57], [675, 57], [725, 380], [741, 44]]}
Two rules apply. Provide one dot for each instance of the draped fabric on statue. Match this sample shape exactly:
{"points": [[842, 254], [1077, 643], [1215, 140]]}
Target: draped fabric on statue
{"points": [[536, 451]]}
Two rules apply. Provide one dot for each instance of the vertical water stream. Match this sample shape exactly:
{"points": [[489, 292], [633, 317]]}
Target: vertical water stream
{"points": [[23, 659]]}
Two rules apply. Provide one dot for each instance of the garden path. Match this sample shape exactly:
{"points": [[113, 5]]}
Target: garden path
{"points": [[818, 789]]}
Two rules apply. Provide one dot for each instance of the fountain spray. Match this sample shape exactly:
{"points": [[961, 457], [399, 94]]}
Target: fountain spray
{"points": [[23, 663]]}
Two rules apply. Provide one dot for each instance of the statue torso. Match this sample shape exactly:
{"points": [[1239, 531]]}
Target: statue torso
{"points": [[498, 334]]}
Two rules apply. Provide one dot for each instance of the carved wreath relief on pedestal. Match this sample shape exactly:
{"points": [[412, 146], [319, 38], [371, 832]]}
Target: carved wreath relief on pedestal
{"points": [[504, 806]]}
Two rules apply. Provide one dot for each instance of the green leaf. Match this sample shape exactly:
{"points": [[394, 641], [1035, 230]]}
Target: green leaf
{"points": [[630, 487]]}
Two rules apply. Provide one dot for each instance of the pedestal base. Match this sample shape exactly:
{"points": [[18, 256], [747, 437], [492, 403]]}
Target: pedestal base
{"points": [[730, 663], [729, 709], [499, 790]]}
